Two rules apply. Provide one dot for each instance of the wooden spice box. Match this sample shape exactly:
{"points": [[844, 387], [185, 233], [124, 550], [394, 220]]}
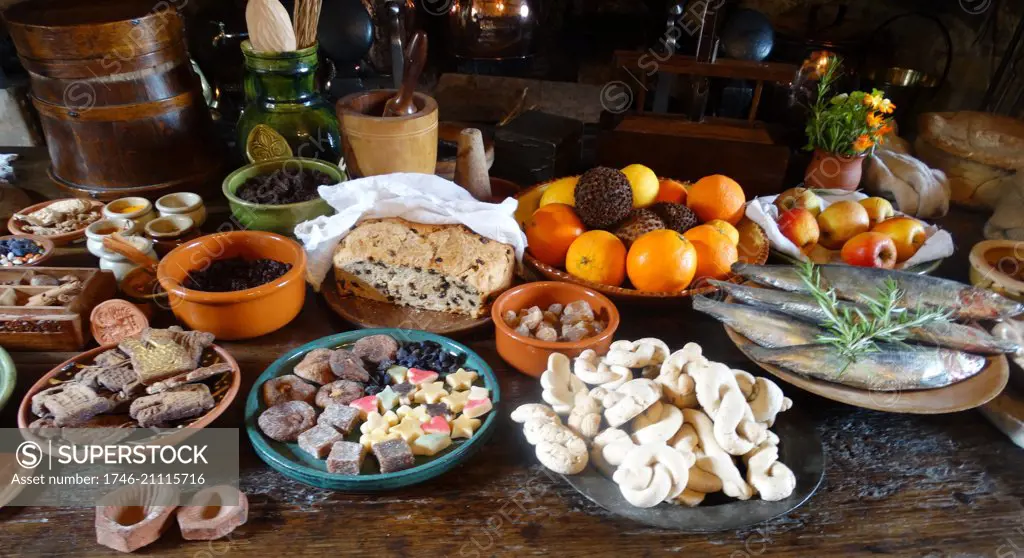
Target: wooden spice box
{"points": [[51, 328]]}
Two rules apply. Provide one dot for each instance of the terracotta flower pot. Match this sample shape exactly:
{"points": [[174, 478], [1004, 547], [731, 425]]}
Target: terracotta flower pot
{"points": [[828, 170]]}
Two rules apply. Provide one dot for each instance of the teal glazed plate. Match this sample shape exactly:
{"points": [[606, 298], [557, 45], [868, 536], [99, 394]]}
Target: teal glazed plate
{"points": [[7, 377], [292, 462]]}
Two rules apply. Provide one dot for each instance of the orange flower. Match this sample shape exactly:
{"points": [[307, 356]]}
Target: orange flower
{"points": [[873, 100], [874, 119], [886, 106], [884, 130], [863, 143]]}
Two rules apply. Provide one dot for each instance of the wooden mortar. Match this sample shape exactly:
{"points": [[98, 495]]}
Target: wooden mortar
{"points": [[376, 145]]}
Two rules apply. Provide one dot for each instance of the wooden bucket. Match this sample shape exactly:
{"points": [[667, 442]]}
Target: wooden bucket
{"points": [[121, 108], [376, 145]]}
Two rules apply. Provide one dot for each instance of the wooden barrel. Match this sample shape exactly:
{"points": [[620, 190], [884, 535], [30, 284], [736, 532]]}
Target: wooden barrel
{"points": [[121, 108]]}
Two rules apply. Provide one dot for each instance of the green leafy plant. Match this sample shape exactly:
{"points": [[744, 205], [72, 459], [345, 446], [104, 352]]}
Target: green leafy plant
{"points": [[846, 124], [854, 332]]}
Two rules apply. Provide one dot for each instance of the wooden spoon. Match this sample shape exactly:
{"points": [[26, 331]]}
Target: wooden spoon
{"points": [[415, 59], [270, 27]]}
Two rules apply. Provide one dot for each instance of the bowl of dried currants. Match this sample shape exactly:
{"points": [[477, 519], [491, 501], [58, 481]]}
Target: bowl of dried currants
{"points": [[277, 194]]}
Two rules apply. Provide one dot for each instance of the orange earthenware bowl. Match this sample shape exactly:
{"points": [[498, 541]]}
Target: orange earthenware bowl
{"points": [[529, 355], [239, 314]]}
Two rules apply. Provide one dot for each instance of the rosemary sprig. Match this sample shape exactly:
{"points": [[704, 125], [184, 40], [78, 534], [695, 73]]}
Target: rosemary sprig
{"points": [[854, 333]]}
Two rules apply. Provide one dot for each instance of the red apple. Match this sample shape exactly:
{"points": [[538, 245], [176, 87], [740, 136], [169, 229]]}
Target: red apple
{"points": [[800, 227], [870, 249], [879, 209], [840, 222], [800, 197], [908, 234]]}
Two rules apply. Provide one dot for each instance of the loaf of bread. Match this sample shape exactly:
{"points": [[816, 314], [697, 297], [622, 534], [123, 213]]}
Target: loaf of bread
{"points": [[447, 268]]}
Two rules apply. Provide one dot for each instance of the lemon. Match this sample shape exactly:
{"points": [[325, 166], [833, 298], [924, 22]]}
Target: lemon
{"points": [[644, 183], [727, 229], [562, 190]]}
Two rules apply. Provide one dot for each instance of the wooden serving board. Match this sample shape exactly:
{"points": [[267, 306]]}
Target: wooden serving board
{"points": [[52, 328], [371, 314]]}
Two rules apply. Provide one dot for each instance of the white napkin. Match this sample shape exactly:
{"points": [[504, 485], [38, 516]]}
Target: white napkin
{"points": [[937, 245], [420, 198]]}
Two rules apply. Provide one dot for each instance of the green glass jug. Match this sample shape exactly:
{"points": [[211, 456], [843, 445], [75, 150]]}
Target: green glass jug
{"points": [[281, 92]]}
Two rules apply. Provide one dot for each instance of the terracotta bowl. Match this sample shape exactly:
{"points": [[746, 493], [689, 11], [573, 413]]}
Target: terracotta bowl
{"points": [[45, 243], [225, 390], [239, 314], [530, 356], [998, 265], [14, 225]]}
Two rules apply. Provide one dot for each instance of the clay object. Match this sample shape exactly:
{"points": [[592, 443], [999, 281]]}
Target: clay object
{"points": [[347, 366], [69, 404], [134, 516], [185, 402], [376, 348], [287, 388], [471, 164], [264, 143], [192, 377], [213, 513], [284, 422], [114, 320], [160, 353]]}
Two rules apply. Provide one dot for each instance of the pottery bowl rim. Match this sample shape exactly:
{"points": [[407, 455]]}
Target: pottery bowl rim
{"points": [[228, 186], [110, 213], [91, 233], [532, 289], [344, 106], [982, 266], [14, 224], [182, 224], [190, 206], [174, 287]]}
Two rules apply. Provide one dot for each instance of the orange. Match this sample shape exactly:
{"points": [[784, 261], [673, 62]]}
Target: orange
{"points": [[727, 229], [671, 191], [706, 233], [715, 257], [716, 197], [597, 256], [550, 231], [661, 261]]}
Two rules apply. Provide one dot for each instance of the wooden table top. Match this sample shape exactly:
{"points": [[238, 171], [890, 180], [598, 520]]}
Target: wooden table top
{"points": [[899, 485]]}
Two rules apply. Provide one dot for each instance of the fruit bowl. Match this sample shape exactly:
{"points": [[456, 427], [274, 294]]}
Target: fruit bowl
{"points": [[750, 251]]}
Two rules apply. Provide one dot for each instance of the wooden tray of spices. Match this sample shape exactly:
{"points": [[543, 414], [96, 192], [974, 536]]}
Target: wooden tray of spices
{"points": [[38, 317]]}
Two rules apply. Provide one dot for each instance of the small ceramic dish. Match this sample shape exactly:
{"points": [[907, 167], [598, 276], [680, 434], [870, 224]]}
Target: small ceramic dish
{"points": [[296, 464], [998, 265], [223, 387], [43, 242], [529, 355], [277, 218], [141, 285], [137, 209], [63, 239], [96, 232], [170, 231], [8, 376], [183, 203], [237, 314]]}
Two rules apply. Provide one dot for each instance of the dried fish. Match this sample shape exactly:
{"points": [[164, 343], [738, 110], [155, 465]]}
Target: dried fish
{"points": [[892, 368], [853, 283], [764, 327], [943, 334]]}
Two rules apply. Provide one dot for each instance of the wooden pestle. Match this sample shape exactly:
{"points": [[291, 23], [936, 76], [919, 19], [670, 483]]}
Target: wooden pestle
{"points": [[118, 243], [471, 165]]}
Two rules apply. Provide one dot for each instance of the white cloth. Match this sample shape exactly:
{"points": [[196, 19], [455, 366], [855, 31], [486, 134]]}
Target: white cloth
{"points": [[938, 245], [420, 198]]}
